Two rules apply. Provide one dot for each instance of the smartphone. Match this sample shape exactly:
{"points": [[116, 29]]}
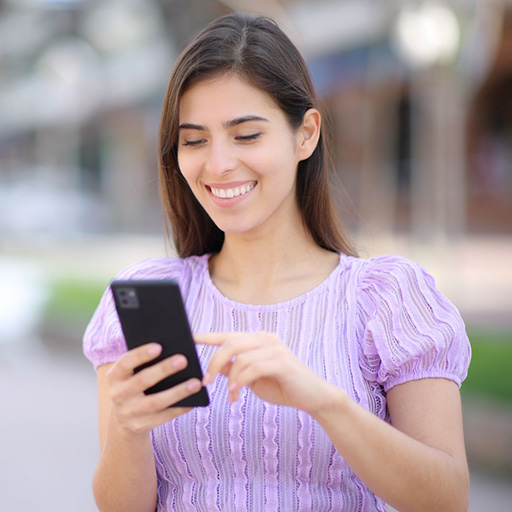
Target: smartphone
{"points": [[153, 311]]}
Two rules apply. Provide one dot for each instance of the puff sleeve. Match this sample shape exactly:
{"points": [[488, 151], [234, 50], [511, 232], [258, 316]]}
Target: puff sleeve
{"points": [[103, 340], [410, 329]]}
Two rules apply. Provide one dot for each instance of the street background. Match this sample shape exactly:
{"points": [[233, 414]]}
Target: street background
{"points": [[418, 97]]}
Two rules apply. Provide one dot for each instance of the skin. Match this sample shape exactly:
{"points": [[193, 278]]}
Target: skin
{"points": [[245, 139], [416, 464]]}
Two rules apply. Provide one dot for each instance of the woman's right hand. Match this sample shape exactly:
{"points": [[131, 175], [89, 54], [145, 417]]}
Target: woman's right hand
{"points": [[137, 413]]}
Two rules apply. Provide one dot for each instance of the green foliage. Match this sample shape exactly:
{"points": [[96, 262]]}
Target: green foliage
{"points": [[73, 300], [490, 370]]}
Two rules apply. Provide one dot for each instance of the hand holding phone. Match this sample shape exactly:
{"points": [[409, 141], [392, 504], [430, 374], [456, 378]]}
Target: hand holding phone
{"points": [[153, 311]]}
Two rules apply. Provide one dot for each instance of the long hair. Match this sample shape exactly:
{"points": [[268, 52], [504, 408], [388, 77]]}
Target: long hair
{"points": [[256, 50]]}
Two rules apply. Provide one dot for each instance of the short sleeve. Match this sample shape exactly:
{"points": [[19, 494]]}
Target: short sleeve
{"points": [[103, 340], [410, 329]]}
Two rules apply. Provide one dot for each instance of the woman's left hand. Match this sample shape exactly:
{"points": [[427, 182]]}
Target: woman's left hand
{"points": [[262, 362]]}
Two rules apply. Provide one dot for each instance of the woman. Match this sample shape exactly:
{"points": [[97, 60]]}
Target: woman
{"points": [[339, 375]]}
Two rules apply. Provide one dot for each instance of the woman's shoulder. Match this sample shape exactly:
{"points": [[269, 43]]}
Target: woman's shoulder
{"points": [[409, 328], [389, 276], [163, 268], [382, 267]]}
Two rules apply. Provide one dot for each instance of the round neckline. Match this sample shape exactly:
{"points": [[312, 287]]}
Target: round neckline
{"points": [[270, 307]]}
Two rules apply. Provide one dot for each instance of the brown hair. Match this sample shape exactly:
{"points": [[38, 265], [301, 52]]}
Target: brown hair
{"points": [[258, 51]]}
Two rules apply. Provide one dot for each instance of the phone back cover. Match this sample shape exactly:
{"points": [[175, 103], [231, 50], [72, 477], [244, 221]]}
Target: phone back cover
{"points": [[160, 317]]}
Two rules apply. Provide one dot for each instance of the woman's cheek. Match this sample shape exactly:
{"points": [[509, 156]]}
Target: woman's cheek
{"points": [[186, 168]]}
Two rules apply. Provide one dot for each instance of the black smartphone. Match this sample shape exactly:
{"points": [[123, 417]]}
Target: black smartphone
{"points": [[153, 311]]}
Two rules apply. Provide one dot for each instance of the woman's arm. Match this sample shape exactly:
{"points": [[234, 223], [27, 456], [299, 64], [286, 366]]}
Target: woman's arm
{"points": [[126, 475], [417, 464], [125, 478]]}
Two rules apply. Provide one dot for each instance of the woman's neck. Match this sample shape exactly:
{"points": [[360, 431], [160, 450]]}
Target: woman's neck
{"points": [[270, 268]]}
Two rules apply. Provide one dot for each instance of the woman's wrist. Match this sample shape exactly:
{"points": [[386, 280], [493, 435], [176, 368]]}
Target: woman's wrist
{"points": [[126, 434], [333, 404]]}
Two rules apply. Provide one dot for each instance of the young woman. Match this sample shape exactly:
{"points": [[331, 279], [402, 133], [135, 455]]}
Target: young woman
{"points": [[333, 379]]}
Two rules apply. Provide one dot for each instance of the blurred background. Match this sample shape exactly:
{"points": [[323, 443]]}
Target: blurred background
{"points": [[419, 97]]}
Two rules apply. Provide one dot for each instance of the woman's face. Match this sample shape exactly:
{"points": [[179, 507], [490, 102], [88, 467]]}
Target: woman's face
{"points": [[238, 154]]}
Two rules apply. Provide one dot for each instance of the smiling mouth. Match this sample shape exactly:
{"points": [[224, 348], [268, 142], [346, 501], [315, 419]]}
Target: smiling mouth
{"points": [[228, 193]]}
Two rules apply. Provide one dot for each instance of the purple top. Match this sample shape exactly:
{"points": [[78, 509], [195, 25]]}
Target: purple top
{"points": [[386, 324]]}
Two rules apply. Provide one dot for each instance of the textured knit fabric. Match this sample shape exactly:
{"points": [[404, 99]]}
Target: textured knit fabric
{"points": [[372, 324]]}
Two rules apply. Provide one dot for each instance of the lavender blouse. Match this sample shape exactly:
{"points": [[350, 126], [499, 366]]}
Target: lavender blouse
{"points": [[372, 324]]}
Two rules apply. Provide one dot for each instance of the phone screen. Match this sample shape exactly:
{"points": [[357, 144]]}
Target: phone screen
{"points": [[153, 311]]}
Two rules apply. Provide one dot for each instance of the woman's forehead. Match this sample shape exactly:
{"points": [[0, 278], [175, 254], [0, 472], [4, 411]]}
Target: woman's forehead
{"points": [[228, 95]]}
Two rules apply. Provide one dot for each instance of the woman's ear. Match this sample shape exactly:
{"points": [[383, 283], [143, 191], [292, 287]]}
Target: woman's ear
{"points": [[309, 133]]}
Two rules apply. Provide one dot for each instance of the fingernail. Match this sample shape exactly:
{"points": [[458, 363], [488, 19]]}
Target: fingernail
{"points": [[207, 379], [153, 350], [194, 385], [232, 386], [179, 362]]}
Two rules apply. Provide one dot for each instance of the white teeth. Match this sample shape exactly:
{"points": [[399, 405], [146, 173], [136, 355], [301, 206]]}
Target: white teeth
{"points": [[231, 192]]}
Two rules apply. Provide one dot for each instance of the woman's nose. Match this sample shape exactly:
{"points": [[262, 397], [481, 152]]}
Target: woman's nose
{"points": [[220, 159]]}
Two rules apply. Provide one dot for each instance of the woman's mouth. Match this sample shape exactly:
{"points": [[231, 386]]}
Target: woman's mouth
{"points": [[228, 193]]}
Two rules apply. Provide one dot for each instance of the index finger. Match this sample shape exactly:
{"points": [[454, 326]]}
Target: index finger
{"points": [[230, 345], [126, 364], [214, 338]]}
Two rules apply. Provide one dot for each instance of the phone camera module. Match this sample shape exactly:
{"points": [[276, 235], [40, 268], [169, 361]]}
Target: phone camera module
{"points": [[128, 297]]}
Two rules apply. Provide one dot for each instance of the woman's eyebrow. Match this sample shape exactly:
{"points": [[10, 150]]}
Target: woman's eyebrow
{"points": [[243, 119], [190, 126], [227, 124]]}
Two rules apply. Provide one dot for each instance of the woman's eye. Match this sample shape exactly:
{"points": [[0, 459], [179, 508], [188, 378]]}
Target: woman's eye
{"points": [[192, 142], [248, 138]]}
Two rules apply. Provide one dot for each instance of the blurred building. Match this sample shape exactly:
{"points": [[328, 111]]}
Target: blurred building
{"points": [[423, 124]]}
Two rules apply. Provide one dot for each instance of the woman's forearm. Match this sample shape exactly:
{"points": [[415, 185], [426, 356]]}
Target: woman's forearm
{"points": [[404, 472], [125, 478]]}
